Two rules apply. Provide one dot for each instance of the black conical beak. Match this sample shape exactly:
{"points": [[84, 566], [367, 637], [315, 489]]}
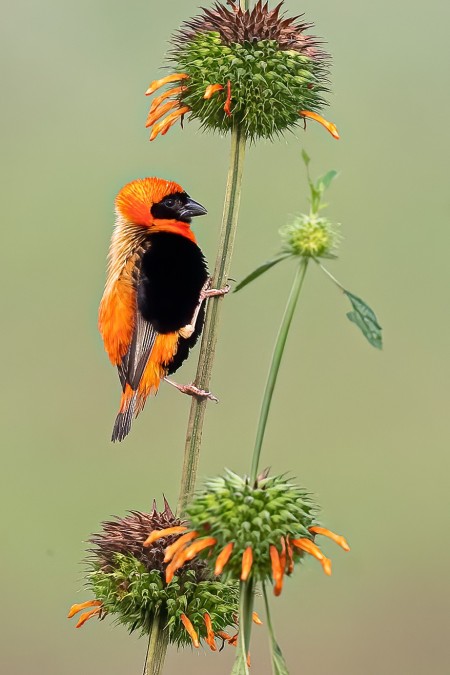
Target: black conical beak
{"points": [[191, 209]]}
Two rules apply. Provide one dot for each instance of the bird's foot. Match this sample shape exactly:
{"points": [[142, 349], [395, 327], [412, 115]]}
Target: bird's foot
{"points": [[192, 390], [208, 292]]}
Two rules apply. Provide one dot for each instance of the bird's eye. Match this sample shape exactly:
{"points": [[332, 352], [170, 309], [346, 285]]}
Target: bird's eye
{"points": [[170, 203]]}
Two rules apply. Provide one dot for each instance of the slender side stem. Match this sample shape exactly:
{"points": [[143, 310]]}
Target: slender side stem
{"points": [[275, 364], [210, 331], [157, 646], [247, 597]]}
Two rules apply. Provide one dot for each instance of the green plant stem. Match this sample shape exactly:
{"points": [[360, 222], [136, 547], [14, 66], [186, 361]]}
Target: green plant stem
{"points": [[211, 327], [157, 646], [247, 597], [275, 364]]}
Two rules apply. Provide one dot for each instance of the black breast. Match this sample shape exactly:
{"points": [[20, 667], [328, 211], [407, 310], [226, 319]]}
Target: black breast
{"points": [[173, 272]]}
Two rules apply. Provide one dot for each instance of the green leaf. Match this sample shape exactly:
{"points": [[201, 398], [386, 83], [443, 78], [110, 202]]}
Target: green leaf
{"points": [[278, 663], [306, 158], [240, 665], [364, 317], [324, 182], [261, 269]]}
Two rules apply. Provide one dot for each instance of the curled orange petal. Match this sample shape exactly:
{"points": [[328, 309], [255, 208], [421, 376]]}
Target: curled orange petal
{"points": [[277, 571], [210, 633], [159, 112], [283, 554], [164, 125], [178, 544], [162, 97], [329, 126], [77, 608], [256, 619], [309, 547], [290, 556], [211, 89], [337, 538], [247, 562], [326, 565], [227, 106], [157, 84], [166, 532], [223, 558], [190, 630], [173, 566], [87, 615]]}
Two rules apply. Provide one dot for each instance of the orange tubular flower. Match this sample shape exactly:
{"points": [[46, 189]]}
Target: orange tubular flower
{"points": [[157, 84], [190, 630], [256, 619], [329, 126], [337, 538], [159, 112], [227, 106], [223, 558], [247, 562], [96, 604], [164, 125], [170, 92], [212, 89], [157, 534], [186, 554], [277, 570], [290, 556], [309, 547], [210, 637], [84, 605], [172, 550]]}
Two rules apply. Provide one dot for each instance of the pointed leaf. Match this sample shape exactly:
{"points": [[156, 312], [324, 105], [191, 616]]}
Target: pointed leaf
{"points": [[306, 158], [364, 317], [261, 269], [324, 182], [278, 663], [240, 665]]}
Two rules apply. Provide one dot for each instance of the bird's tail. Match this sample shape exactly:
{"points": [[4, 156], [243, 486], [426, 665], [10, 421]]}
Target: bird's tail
{"points": [[127, 411]]}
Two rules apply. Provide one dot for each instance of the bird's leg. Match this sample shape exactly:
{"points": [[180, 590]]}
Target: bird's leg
{"points": [[206, 292], [192, 390]]}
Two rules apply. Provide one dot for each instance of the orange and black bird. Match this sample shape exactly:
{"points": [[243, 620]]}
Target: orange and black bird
{"points": [[152, 309]]}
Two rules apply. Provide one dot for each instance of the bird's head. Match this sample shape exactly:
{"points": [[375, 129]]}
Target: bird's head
{"points": [[161, 205]]}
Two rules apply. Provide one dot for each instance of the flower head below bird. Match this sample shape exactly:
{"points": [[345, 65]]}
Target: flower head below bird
{"points": [[245, 530], [255, 68], [127, 578]]}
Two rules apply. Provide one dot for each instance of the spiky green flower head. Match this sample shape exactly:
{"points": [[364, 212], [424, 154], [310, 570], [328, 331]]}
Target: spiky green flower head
{"points": [[256, 530], [310, 236], [255, 68], [127, 578]]}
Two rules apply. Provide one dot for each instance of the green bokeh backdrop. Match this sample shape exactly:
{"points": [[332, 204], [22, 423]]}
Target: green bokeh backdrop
{"points": [[366, 431]]}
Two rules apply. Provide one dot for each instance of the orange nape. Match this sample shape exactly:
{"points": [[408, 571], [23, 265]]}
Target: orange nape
{"points": [[329, 126], [96, 604]]}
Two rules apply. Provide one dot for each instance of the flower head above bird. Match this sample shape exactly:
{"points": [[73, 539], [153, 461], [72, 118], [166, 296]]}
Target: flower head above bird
{"points": [[255, 68]]}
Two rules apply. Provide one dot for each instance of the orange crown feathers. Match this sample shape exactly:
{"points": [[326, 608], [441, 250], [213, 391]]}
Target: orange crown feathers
{"points": [[135, 199]]}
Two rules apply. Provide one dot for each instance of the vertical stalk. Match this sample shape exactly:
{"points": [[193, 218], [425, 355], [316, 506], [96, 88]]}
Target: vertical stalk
{"points": [[275, 364], [157, 646], [210, 330]]}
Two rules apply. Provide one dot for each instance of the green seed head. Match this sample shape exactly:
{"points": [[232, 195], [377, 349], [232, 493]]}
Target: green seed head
{"points": [[129, 580], [265, 514], [310, 236], [274, 69]]}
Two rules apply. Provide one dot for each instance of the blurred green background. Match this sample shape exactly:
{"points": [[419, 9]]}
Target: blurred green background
{"points": [[366, 431]]}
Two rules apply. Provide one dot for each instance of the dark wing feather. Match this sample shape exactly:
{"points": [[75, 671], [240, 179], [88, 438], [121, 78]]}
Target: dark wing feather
{"points": [[134, 362]]}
